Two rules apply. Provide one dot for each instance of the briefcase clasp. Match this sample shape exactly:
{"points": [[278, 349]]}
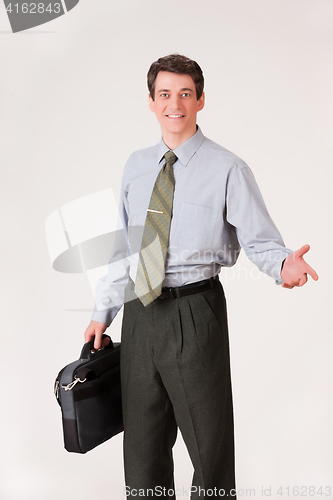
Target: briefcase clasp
{"points": [[70, 386]]}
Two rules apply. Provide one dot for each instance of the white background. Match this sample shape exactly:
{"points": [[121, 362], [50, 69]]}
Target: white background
{"points": [[73, 107]]}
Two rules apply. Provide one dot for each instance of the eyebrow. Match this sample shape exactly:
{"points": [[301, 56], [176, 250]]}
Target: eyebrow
{"points": [[182, 90]]}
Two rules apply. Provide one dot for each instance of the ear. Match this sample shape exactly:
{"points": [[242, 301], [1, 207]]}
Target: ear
{"points": [[151, 103], [201, 102]]}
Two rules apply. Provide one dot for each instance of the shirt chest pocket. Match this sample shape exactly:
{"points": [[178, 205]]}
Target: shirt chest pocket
{"points": [[195, 226], [138, 203]]}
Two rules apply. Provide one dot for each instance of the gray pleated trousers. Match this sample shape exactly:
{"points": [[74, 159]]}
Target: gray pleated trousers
{"points": [[175, 372]]}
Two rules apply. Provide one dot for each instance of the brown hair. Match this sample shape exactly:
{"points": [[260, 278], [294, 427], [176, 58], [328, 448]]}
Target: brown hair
{"points": [[176, 63]]}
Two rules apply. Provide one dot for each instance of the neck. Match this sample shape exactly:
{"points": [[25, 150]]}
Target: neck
{"points": [[173, 141]]}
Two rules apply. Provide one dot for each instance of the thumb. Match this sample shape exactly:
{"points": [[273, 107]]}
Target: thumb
{"points": [[301, 251]]}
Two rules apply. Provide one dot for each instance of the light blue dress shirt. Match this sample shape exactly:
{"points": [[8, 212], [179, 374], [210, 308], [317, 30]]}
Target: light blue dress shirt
{"points": [[217, 210]]}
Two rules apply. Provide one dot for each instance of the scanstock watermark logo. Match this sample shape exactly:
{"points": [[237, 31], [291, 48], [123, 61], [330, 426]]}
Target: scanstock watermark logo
{"points": [[25, 15]]}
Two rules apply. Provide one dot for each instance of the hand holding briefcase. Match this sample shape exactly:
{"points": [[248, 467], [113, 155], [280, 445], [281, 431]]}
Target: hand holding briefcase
{"points": [[89, 394]]}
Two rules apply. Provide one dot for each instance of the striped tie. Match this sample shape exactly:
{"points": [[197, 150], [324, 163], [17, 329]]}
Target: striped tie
{"points": [[155, 241]]}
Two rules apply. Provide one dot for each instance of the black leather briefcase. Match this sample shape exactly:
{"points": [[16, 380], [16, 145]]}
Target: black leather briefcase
{"points": [[89, 394]]}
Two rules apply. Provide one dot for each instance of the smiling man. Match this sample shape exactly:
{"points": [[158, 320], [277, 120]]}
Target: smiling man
{"points": [[198, 204], [174, 100]]}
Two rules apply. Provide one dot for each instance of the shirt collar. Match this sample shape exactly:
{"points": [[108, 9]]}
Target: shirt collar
{"points": [[185, 151]]}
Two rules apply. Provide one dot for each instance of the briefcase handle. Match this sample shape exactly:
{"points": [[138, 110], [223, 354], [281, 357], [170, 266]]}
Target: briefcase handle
{"points": [[86, 349]]}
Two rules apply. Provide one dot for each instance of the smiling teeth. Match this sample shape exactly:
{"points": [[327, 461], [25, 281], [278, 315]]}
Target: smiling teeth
{"points": [[175, 116]]}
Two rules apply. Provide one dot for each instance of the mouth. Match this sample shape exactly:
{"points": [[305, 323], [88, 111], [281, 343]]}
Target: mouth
{"points": [[175, 117]]}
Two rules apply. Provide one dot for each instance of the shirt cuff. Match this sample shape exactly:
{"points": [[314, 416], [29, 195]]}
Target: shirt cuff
{"points": [[280, 280], [105, 316]]}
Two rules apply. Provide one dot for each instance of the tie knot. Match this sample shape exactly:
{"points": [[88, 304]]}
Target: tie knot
{"points": [[170, 157]]}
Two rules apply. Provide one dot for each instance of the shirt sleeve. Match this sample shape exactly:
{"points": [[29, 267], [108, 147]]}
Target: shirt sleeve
{"points": [[110, 290], [256, 231]]}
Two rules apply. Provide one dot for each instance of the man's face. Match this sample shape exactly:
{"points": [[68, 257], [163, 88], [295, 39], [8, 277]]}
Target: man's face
{"points": [[176, 106]]}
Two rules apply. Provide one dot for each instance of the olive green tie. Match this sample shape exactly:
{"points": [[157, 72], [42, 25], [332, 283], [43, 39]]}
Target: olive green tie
{"points": [[155, 240]]}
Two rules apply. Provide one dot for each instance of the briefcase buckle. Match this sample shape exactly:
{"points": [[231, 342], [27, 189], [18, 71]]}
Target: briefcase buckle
{"points": [[70, 386]]}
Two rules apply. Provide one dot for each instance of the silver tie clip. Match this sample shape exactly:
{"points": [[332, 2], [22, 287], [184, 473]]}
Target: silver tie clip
{"points": [[155, 211]]}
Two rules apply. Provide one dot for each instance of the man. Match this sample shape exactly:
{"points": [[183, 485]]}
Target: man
{"points": [[199, 204]]}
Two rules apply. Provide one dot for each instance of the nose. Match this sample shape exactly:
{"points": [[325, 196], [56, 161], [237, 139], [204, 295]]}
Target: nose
{"points": [[175, 102]]}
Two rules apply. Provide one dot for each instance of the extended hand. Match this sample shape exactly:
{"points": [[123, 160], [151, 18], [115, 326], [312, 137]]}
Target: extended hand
{"points": [[295, 269], [96, 329]]}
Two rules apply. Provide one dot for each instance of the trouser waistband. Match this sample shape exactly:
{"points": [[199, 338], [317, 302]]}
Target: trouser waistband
{"points": [[181, 291]]}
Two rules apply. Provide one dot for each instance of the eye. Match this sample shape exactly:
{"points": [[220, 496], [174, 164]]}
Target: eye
{"points": [[164, 95], [186, 94]]}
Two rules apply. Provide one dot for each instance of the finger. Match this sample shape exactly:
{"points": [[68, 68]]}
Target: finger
{"points": [[301, 251], [105, 342], [303, 279], [309, 270], [89, 334], [98, 338], [284, 285]]}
